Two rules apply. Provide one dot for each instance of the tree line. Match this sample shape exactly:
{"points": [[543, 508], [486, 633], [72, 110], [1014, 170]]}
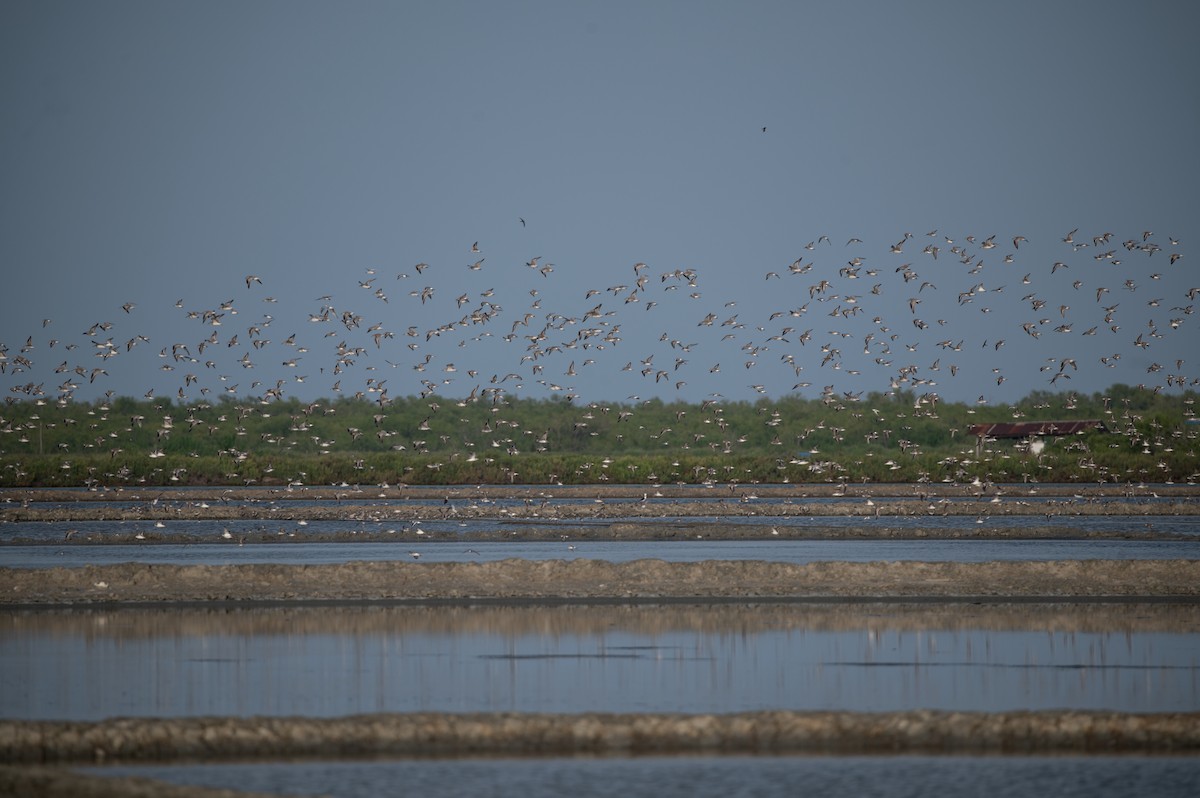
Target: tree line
{"points": [[894, 437]]}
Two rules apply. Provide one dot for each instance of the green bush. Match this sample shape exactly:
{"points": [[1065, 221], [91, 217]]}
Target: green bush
{"points": [[881, 438]]}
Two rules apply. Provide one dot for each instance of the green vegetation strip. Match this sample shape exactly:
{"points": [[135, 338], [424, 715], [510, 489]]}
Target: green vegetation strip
{"points": [[877, 438]]}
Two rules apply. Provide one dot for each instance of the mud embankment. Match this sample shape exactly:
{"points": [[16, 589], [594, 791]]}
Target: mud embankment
{"points": [[596, 579], [510, 734], [546, 511], [30, 747]]}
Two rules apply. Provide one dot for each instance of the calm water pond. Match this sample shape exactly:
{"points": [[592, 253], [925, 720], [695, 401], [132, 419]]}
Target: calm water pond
{"points": [[700, 777], [89, 664]]}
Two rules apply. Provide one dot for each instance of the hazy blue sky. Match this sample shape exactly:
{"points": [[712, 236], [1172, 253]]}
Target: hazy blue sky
{"points": [[161, 151]]}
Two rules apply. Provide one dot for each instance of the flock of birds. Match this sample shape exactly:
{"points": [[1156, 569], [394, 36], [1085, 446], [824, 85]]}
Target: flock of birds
{"points": [[915, 315]]}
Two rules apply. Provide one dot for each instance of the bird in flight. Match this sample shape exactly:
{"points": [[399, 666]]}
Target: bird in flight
{"points": [[547, 339]]}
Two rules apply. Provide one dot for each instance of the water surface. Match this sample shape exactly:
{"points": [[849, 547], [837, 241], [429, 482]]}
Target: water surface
{"points": [[285, 528], [331, 661], [701, 777], [776, 550]]}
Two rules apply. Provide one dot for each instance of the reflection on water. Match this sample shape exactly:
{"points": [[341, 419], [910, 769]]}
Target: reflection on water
{"points": [[699, 777], [93, 664]]}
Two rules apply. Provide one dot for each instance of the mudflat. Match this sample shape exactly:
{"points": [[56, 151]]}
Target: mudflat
{"points": [[520, 580]]}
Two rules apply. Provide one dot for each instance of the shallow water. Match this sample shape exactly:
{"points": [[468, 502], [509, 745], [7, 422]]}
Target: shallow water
{"points": [[785, 551], [700, 777], [1148, 526], [331, 661], [96, 663]]}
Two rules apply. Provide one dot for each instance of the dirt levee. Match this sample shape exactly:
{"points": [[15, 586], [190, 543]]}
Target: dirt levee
{"points": [[583, 579]]}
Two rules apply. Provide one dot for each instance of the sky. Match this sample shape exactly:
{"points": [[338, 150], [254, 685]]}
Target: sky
{"points": [[284, 199]]}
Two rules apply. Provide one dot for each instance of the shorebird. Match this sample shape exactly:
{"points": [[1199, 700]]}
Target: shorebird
{"points": [[547, 334]]}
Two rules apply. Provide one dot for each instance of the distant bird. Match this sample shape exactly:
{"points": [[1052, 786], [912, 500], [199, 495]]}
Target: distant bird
{"points": [[543, 333]]}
